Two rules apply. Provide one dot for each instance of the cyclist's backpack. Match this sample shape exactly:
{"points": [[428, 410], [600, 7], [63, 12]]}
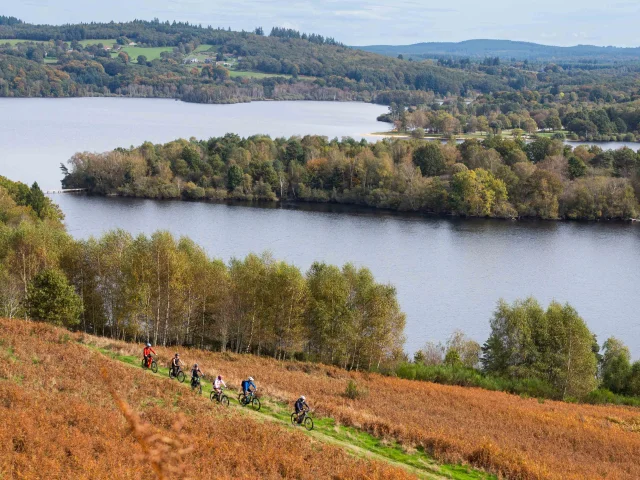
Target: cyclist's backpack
{"points": [[245, 385]]}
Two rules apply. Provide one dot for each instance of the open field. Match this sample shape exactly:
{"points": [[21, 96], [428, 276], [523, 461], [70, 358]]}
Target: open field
{"points": [[105, 41], [15, 41], [152, 53], [235, 73], [60, 421]]}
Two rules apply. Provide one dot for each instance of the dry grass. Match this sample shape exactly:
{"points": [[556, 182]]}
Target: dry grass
{"points": [[505, 434], [60, 421]]}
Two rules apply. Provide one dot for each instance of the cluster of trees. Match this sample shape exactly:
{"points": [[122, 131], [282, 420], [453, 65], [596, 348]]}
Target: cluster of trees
{"points": [[498, 177], [291, 33], [169, 291], [567, 116], [546, 352]]}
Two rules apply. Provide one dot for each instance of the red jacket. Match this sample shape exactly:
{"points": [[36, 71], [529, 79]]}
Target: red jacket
{"points": [[148, 351]]}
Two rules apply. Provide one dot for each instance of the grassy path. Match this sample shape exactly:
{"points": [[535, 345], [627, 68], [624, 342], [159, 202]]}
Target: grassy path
{"points": [[325, 430]]}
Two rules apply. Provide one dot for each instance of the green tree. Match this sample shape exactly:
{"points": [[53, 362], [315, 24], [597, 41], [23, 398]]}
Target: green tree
{"points": [[50, 298], [429, 159], [553, 345], [616, 365], [553, 122], [577, 168], [235, 176], [478, 193], [37, 200], [142, 60]]}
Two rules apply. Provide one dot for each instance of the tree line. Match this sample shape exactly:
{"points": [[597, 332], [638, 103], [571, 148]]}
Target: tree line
{"points": [[168, 291], [548, 353], [498, 177]]}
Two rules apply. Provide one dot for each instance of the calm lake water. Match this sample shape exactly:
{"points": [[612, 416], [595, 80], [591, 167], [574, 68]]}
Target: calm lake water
{"points": [[37, 134], [449, 273]]}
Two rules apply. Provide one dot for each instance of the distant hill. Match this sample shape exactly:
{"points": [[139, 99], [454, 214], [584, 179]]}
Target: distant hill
{"points": [[505, 49]]}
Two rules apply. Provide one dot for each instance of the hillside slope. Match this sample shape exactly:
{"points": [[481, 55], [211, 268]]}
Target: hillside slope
{"points": [[60, 421], [505, 434], [507, 49], [55, 403]]}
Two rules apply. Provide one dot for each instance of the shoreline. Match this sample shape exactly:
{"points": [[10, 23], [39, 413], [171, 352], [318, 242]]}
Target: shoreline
{"points": [[348, 208], [403, 136]]}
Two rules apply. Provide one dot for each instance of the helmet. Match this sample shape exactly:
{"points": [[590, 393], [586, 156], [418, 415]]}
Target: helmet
{"points": [[219, 377], [177, 354], [196, 365], [302, 397], [148, 344], [251, 379]]}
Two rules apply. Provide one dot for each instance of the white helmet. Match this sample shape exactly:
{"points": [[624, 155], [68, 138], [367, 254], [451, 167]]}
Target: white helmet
{"points": [[251, 379], [302, 397]]}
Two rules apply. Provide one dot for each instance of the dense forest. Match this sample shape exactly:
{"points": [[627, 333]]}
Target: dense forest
{"points": [[169, 292], [69, 60], [498, 177]]}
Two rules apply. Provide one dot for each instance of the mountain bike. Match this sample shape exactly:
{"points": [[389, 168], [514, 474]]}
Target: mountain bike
{"points": [[220, 397], [180, 375], [153, 366], [196, 384], [250, 398], [302, 419]]}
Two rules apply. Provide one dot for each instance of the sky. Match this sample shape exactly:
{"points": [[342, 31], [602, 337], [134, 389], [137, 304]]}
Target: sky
{"points": [[360, 22]]}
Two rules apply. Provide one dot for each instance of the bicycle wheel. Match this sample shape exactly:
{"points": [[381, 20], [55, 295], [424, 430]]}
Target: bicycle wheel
{"points": [[170, 372], [255, 403], [181, 376], [212, 396], [294, 419], [241, 399], [224, 400], [154, 367], [199, 389], [308, 423]]}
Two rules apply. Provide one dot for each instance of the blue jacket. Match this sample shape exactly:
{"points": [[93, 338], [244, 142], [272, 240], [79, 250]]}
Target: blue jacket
{"points": [[246, 384]]}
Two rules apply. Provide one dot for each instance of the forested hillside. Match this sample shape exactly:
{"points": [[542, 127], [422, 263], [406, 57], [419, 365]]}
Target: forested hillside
{"points": [[332, 71], [507, 50], [498, 177]]}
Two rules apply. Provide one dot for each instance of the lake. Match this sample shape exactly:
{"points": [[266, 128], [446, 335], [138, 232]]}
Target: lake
{"points": [[449, 274], [37, 134]]}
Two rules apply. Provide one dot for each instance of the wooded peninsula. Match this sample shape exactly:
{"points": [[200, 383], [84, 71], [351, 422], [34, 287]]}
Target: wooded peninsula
{"points": [[497, 177]]}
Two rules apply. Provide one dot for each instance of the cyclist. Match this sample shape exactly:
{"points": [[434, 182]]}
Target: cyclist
{"points": [[196, 373], [218, 384], [301, 406], [175, 364], [247, 385], [146, 352]]}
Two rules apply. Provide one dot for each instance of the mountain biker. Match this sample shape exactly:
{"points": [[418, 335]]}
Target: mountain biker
{"points": [[175, 364], [301, 406], [218, 384], [196, 373], [247, 385], [146, 352]]}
